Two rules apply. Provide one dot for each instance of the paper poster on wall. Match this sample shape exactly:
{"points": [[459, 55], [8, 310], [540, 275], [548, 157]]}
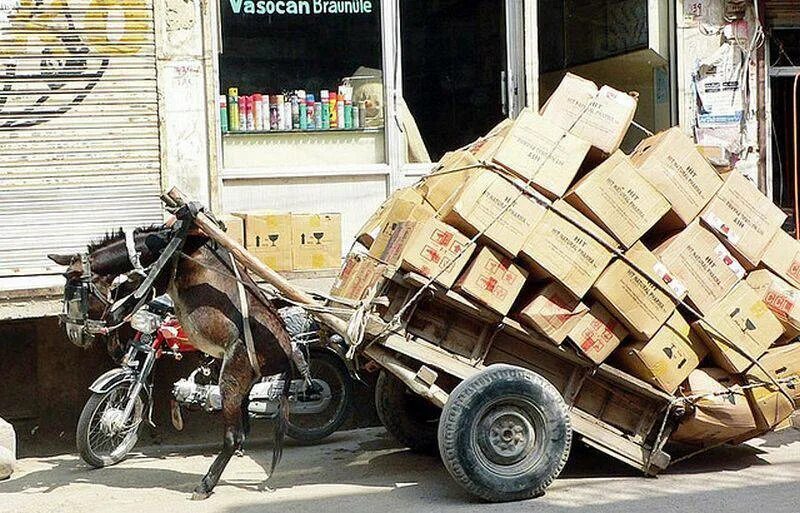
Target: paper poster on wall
{"points": [[718, 85]]}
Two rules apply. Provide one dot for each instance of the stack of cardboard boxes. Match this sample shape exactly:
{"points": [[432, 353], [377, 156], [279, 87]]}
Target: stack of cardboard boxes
{"points": [[288, 241], [545, 220]]}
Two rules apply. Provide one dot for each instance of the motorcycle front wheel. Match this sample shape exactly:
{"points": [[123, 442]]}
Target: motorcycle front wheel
{"points": [[328, 370], [104, 437]]}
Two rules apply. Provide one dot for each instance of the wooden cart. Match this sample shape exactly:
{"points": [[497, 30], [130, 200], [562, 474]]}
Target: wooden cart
{"points": [[510, 400]]}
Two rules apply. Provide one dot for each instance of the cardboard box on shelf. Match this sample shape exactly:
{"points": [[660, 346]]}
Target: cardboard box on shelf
{"points": [[234, 226], [743, 218], [618, 199], [359, 274], [493, 280], [666, 360], [540, 152], [407, 198], [780, 297], [597, 334], [746, 322], [553, 311], [782, 257], [479, 203], [702, 264], [432, 247], [716, 418], [316, 241], [448, 178], [566, 253], [636, 299], [770, 406], [600, 117], [408, 206], [673, 165], [268, 236]]}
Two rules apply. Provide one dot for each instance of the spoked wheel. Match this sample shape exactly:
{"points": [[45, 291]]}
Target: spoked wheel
{"points": [[104, 436], [505, 434], [411, 419], [322, 409]]}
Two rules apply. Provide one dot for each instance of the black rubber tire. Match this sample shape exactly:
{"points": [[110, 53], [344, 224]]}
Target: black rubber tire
{"points": [[493, 394], [411, 419], [82, 434], [327, 364]]}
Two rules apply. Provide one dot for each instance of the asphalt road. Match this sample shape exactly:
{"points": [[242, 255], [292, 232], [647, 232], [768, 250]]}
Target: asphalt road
{"points": [[365, 471]]}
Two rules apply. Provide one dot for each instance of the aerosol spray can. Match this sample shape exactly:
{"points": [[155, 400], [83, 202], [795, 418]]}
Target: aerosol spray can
{"points": [[295, 112], [233, 109], [280, 102], [223, 113], [348, 115], [356, 114], [326, 108], [258, 117], [265, 113], [340, 123], [318, 115], [251, 121], [243, 113], [303, 111], [362, 114], [311, 122], [273, 112], [334, 120], [287, 114]]}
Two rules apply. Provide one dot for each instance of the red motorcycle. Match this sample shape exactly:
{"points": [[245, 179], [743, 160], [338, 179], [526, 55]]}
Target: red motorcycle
{"points": [[122, 398]]}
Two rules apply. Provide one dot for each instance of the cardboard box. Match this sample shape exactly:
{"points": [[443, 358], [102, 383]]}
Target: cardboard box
{"points": [[666, 360], [746, 322], [597, 334], [445, 181], [402, 201], [770, 406], [566, 253], [716, 418], [702, 264], [408, 205], [782, 257], [317, 241], [432, 247], [671, 163], [743, 218], [539, 151], [268, 236], [493, 280], [598, 234], [600, 117], [234, 226], [359, 273], [553, 311], [477, 206], [484, 148], [634, 298], [780, 297], [618, 199]]}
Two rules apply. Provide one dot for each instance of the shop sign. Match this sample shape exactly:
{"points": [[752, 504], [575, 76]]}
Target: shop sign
{"points": [[301, 7]]}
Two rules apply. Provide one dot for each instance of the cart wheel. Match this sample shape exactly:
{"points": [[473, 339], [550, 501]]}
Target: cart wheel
{"points": [[409, 418], [505, 434]]}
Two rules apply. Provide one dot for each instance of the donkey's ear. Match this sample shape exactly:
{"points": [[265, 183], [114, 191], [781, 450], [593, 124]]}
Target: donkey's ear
{"points": [[62, 259]]}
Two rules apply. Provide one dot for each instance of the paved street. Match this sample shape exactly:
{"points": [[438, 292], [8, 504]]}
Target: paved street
{"points": [[364, 471]]}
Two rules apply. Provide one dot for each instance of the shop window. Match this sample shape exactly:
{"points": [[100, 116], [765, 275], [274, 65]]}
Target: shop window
{"points": [[305, 68]]}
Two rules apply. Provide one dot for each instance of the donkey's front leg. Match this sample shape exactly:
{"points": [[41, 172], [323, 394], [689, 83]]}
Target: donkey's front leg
{"points": [[236, 380]]}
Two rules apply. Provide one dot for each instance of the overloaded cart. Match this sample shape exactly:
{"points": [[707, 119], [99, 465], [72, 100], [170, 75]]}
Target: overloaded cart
{"points": [[540, 283]]}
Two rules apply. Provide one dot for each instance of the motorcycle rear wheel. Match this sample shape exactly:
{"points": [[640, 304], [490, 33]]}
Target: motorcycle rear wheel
{"points": [[102, 437], [311, 428]]}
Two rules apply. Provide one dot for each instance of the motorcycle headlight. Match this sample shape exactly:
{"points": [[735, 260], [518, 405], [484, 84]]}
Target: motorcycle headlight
{"points": [[145, 322]]}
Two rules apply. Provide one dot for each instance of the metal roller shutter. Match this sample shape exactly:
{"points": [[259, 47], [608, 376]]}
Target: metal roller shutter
{"points": [[79, 149], [783, 13]]}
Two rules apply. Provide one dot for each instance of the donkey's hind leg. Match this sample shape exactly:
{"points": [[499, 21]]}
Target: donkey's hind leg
{"points": [[236, 380]]}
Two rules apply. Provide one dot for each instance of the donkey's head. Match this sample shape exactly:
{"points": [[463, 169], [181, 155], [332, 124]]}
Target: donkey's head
{"points": [[100, 281]]}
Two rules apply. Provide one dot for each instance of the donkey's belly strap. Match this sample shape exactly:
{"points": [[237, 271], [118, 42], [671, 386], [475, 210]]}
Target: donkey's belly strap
{"points": [[248, 332]]}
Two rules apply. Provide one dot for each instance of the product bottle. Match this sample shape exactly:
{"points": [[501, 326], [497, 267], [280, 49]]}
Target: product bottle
{"points": [[265, 113], [303, 113], [279, 101], [258, 117], [334, 110], [251, 124], [273, 112], [223, 113], [243, 113], [326, 109], [318, 115], [340, 122], [295, 112], [356, 124], [287, 114], [233, 109], [362, 114], [311, 121], [348, 115]]}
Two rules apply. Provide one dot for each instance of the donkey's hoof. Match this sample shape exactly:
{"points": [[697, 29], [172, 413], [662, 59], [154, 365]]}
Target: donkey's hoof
{"points": [[200, 495]]}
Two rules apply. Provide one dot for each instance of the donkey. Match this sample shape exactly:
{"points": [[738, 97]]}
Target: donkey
{"points": [[201, 283]]}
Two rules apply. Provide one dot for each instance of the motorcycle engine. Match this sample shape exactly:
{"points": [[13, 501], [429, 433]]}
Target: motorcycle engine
{"points": [[188, 392]]}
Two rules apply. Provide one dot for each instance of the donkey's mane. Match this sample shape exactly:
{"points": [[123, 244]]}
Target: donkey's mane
{"points": [[119, 234]]}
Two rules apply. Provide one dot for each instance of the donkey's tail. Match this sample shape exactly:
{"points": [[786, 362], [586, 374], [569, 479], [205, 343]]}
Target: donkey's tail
{"points": [[282, 422]]}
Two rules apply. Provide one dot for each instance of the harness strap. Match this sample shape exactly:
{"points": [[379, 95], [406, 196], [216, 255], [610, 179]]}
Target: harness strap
{"points": [[248, 332], [133, 255]]}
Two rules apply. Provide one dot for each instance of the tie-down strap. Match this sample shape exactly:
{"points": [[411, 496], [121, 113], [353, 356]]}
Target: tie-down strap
{"points": [[247, 330]]}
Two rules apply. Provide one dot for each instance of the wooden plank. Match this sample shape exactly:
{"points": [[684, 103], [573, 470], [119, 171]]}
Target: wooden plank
{"points": [[430, 355]]}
